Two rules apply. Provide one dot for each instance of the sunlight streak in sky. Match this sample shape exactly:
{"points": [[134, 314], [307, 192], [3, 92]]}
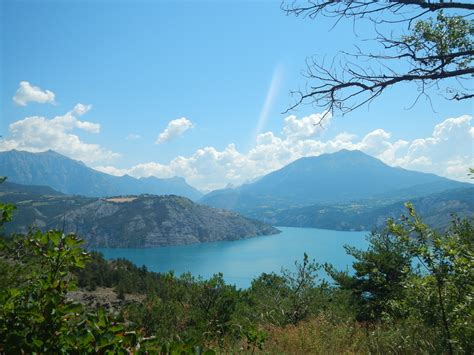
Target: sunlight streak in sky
{"points": [[275, 84]]}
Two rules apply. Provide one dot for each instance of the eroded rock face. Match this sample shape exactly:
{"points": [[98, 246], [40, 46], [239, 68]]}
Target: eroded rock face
{"points": [[152, 221]]}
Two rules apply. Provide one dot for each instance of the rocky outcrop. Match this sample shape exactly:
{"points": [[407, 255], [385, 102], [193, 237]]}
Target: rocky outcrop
{"points": [[153, 221]]}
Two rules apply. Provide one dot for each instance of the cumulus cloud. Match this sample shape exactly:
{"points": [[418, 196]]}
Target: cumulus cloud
{"points": [[305, 127], [81, 109], [111, 170], [174, 129], [447, 152], [37, 134], [29, 93]]}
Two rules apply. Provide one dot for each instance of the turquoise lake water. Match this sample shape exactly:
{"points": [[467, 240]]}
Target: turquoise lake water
{"points": [[241, 261]]}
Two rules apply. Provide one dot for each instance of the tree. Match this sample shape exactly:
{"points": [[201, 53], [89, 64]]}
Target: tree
{"points": [[380, 272], [425, 42], [413, 273], [287, 298], [443, 293]]}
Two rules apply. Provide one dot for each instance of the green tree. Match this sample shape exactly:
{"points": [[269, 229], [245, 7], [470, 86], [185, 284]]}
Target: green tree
{"points": [[378, 281], [213, 304], [287, 298], [414, 274], [443, 292], [36, 315]]}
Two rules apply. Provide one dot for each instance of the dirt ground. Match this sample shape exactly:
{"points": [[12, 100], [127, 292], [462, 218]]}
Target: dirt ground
{"points": [[102, 297]]}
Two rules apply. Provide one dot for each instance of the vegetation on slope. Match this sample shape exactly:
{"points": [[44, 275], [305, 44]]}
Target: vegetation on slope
{"points": [[138, 221], [389, 305], [366, 215]]}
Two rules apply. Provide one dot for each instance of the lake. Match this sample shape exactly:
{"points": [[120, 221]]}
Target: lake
{"points": [[241, 261]]}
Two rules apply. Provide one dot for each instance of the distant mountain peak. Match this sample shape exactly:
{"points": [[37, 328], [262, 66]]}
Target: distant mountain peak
{"points": [[351, 154], [70, 176], [343, 176]]}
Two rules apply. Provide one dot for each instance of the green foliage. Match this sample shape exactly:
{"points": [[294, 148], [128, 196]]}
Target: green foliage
{"points": [[213, 305], [36, 315], [436, 39], [287, 298], [442, 294], [6, 209], [417, 276], [379, 276], [410, 282], [255, 339]]}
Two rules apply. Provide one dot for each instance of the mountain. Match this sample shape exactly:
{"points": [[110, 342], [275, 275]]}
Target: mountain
{"points": [[150, 221], [435, 209], [342, 177], [74, 177], [8, 188], [36, 205], [126, 222]]}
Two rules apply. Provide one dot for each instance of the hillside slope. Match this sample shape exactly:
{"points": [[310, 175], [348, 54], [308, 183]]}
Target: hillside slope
{"points": [[435, 209], [125, 222], [152, 221]]}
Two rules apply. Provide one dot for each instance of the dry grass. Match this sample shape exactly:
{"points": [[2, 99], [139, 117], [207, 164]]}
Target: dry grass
{"points": [[317, 336], [323, 335], [121, 199]]}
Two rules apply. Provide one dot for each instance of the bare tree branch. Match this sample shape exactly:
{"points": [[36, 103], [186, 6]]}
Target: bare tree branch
{"points": [[433, 51]]}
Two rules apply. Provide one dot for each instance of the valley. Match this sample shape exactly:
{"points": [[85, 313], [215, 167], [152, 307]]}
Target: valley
{"points": [[237, 177]]}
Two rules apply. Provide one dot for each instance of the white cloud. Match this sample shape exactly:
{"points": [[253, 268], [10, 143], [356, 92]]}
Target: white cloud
{"points": [[447, 152], [29, 93], [174, 129], [81, 109], [111, 170], [37, 134], [305, 127], [345, 137]]}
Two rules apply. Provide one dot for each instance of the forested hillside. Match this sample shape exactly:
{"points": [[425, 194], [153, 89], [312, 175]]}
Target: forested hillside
{"points": [[436, 210]]}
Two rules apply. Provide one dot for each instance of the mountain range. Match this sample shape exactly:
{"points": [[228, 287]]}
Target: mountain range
{"points": [[74, 177], [346, 190]]}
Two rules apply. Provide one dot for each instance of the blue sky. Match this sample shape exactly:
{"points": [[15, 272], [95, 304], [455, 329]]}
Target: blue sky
{"points": [[142, 64]]}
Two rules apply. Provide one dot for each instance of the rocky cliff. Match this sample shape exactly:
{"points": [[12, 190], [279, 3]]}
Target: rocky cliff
{"points": [[152, 221], [128, 222]]}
